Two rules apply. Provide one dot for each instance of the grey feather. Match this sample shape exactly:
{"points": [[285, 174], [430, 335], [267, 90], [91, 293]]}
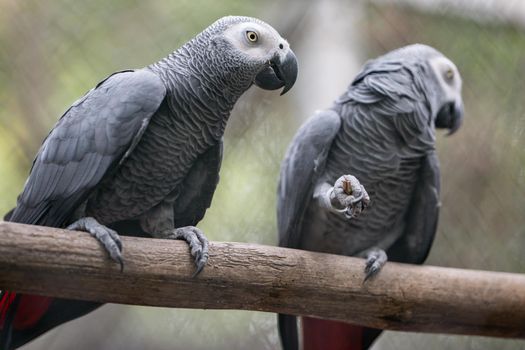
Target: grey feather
{"points": [[141, 152], [198, 188], [128, 144], [77, 154], [386, 139], [422, 217], [304, 163]]}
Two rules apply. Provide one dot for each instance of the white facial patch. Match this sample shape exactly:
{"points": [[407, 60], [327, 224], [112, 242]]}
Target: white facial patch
{"points": [[447, 76], [267, 42]]}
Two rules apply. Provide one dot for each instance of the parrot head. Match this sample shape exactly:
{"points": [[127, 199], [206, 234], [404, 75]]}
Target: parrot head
{"points": [[256, 44], [448, 85], [433, 73], [442, 83]]}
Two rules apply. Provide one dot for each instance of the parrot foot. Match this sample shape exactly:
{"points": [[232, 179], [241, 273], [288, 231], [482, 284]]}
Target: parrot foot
{"points": [[198, 244], [108, 237], [350, 195], [375, 259]]}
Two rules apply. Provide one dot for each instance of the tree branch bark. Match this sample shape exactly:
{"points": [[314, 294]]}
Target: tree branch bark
{"points": [[67, 264]]}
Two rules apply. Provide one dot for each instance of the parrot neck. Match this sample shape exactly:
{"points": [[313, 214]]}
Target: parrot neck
{"points": [[209, 67], [204, 77]]}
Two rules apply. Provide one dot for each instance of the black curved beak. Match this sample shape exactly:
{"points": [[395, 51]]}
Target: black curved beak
{"points": [[282, 72], [450, 116]]}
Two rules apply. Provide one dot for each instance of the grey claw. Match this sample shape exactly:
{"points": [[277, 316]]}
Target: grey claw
{"points": [[200, 265], [121, 262], [375, 259], [118, 242], [108, 237], [198, 259], [358, 198], [198, 245], [349, 213], [371, 273], [354, 210], [372, 269], [351, 195]]}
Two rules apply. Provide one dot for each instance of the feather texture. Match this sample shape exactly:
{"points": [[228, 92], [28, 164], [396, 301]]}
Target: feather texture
{"points": [[385, 137], [142, 150]]}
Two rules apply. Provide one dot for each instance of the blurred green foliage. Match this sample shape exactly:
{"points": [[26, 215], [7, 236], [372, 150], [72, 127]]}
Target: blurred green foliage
{"points": [[53, 52]]}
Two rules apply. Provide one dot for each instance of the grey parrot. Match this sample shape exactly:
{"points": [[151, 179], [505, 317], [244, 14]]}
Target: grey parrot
{"points": [[374, 149], [140, 154]]}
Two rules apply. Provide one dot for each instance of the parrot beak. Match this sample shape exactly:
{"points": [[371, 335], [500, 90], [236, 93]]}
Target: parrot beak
{"points": [[450, 116], [282, 72]]}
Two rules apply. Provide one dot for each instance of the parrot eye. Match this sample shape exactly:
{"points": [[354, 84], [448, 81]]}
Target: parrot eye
{"points": [[252, 36], [449, 74]]}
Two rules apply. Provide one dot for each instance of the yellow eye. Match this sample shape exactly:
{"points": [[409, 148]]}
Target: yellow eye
{"points": [[252, 36], [449, 74]]}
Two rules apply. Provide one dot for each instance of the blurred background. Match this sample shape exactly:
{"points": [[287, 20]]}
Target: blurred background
{"points": [[52, 52]]}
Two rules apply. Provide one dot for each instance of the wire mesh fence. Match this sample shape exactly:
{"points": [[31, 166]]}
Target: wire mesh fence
{"points": [[53, 52]]}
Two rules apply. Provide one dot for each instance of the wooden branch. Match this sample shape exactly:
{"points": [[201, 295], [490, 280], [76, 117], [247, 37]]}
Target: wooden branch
{"points": [[68, 264]]}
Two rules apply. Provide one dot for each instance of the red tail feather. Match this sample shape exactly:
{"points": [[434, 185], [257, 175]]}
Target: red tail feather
{"points": [[30, 309], [5, 301], [331, 335]]}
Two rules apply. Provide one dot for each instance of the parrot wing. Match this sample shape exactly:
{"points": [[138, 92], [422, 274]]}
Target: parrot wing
{"points": [[89, 140]]}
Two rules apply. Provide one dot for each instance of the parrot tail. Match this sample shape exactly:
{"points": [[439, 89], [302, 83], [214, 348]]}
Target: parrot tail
{"points": [[6, 300], [288, 332], [333, 335], [19, 312]]}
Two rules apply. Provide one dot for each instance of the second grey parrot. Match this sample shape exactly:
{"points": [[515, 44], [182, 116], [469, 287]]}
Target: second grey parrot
{"points": [[374, 149], [140, 154]]}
